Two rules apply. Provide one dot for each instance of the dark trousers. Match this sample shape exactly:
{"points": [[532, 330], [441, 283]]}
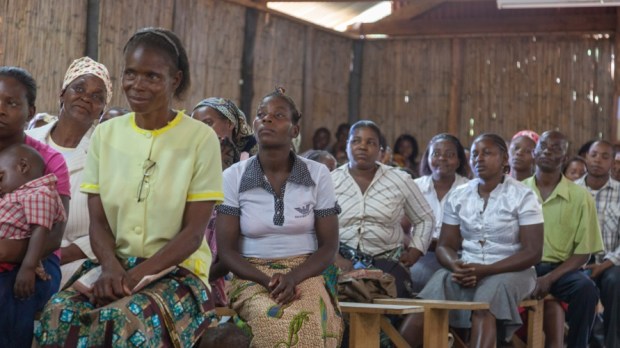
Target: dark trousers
{"points": [[581, 294], [17, 316], [609, 285]]}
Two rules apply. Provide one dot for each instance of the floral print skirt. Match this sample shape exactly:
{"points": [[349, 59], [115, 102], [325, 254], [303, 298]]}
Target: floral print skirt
{"points": [[313, 320]]}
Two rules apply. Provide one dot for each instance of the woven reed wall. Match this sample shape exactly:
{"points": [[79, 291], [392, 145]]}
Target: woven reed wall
{"points": [[212, 32], [327, 84], [43, 37], [406, 87], [278, 57], [539, 83], [507, 84]]}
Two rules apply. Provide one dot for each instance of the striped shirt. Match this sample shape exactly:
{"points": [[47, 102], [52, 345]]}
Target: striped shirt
{"points": [[608, 210], [371, 221]]}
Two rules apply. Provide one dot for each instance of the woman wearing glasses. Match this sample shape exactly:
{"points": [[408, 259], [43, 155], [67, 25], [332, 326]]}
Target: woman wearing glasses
{"points": [[374, 198], [86, 90], [444, 167], [152, 177]]}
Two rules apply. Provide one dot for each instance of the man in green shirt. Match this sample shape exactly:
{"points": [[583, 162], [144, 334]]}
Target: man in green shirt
{"points": [[572, 233]]}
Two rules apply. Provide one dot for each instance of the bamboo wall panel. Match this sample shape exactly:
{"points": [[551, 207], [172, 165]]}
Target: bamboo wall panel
{"points": [[212, 32], [43, 37], [278, 58], [118, 20], [406, 87], [328, 83], [537, 83]]}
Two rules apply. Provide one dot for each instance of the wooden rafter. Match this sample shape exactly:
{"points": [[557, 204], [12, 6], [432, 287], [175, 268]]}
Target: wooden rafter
{"points": [[491, 25], [413, 10]]}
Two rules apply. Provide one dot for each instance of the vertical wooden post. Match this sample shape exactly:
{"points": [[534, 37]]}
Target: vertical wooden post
{"points": [[355, 81], [455, 87], [92, 29], [247, 62], [614, 135], [307, 104]]}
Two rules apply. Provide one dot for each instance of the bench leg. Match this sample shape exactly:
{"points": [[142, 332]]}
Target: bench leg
{"points": [[393, 334], [436, 328], [364, 330], [535, 335]]}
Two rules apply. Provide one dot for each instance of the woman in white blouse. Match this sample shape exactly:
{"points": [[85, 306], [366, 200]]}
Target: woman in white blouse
{"points": [[374, 198], [85, 92], [498, 223], [444, 167]]}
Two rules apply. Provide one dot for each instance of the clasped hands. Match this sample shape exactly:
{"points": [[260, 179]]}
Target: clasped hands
{"points": [[113, 284], [467, 275], [283, 288]]}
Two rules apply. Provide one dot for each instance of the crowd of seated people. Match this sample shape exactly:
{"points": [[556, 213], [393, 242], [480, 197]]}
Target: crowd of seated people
{"points": [[164, 216]]}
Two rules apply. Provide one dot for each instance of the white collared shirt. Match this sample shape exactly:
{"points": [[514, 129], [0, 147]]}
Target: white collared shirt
{"points": [[492, 234], [425, 183], [275, 226]]}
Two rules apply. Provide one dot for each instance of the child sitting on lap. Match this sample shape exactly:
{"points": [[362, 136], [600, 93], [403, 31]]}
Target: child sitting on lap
{"points": [[29, 206]]}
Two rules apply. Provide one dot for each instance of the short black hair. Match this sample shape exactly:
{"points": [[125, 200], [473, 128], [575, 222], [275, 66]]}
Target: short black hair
{"points": [[280, 92], [496, 139], [168, 42], [571, 160], [321, 130], [425, 169], [366, 124], [414, 146], [343, 128], [23, 77]]}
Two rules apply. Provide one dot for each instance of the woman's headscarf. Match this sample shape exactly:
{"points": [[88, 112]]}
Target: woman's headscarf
{"points": [[230, 111], [85, 65], [527, 133]]}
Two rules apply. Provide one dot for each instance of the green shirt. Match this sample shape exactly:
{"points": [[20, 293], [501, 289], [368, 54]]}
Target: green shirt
{"points": [[145, 178], [571, 224]]}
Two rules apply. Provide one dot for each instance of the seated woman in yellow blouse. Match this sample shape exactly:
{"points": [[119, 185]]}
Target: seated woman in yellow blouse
{"points": [[152, 177]]}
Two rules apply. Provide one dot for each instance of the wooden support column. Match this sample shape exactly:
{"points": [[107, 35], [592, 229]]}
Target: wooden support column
{"points": [[456, 83], [355, 81], [307, 103], [247, 62], [92, 29], [615, 132]]}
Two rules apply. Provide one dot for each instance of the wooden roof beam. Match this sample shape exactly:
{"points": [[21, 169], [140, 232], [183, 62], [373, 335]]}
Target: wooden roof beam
{"points": [[489, 26], [413, 10]]}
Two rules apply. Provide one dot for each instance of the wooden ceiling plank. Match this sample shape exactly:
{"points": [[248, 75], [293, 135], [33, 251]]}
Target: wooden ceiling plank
{"points": [[494, 25], [413, 10]]}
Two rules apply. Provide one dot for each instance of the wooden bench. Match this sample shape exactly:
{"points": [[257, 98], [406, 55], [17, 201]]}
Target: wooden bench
{"points": [[368, 319], [436, 314], [225, 312], [535, 334]]}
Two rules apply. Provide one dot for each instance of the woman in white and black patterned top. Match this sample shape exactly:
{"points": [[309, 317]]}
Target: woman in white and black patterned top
{"points": [[277, 231]]}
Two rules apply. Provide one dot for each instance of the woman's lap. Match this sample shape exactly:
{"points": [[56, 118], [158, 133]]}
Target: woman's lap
{"points": [[175, 310], [17, 316], [313, 319], [502, 291]]}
